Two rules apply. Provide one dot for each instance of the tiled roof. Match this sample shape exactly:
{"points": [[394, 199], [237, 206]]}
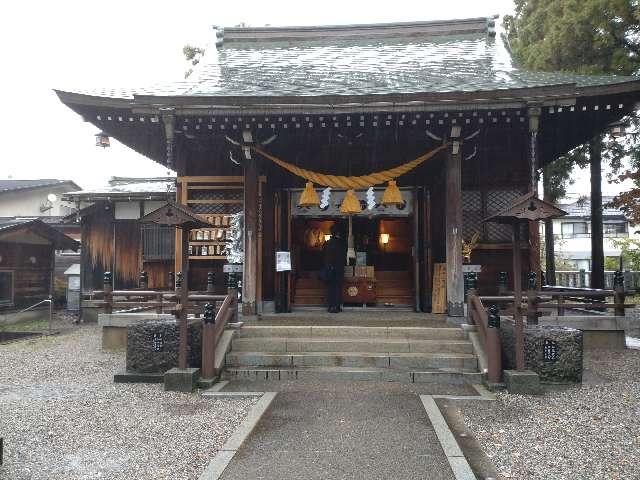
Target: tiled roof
{"points": [[134, 188], [38, 227], [582, 208], [418, 57], [13, 185]]}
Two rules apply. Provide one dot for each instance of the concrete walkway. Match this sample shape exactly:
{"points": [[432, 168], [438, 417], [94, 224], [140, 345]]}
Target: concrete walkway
{"points": [[323, 430]]}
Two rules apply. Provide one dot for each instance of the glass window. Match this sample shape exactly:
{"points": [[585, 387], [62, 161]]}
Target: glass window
{"points": [[6, 288], [574, 229], [615, 229]]}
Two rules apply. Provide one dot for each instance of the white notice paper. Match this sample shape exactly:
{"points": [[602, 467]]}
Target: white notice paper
{"points": [[283, 261]]}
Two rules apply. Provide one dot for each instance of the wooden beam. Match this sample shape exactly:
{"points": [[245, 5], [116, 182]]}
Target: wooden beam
{"points": [[453, 234], [210, 179], [215, 202]]}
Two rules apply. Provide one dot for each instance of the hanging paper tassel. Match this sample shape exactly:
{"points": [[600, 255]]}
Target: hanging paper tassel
{"points": [[309, 197], [392, 195], [350, 204]]}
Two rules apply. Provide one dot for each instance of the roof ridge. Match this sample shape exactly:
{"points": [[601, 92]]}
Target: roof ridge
{"points": [[369, 30]]}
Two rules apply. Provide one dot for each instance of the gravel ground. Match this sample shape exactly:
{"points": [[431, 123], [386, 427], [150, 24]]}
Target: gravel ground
{"points": [[62, 417], [587, 432]]}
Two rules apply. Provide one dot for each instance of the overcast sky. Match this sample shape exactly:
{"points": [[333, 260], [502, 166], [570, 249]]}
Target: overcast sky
{"points": [[116, 43]]}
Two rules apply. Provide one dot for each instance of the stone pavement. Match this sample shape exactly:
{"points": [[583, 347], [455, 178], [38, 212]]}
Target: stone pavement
{"points": [[350, 430]]}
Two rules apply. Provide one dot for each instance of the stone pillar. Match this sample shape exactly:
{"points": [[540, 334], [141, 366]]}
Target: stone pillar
{"points": [[455, 279]]}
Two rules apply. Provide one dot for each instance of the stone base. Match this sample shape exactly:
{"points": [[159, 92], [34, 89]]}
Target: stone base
{"points": [[565, 368], [523, 382], [452, 320], [205, 383], [114, 339], [181, 379], [134, 377]]}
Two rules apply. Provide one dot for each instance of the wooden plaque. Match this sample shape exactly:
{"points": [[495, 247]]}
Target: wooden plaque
{"points": [[439, 292]]}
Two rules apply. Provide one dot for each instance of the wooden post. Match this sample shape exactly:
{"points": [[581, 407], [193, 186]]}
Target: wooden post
{"points": [[494, 348], [503, 283], [618, 296], [549, 239], [184, 301], [597, 247], [107, 284], [249, 281], [534, 227], [455, 285], [259, 255], [517, 297], [208, 342], [232, 289], [211, 282], [159, 301], [560, 307], [532, 300]]}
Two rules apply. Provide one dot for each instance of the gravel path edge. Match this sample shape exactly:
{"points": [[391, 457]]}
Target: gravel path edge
{"points": [[216, 467]]}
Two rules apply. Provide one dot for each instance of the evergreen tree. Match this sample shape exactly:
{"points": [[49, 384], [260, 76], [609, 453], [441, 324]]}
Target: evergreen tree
{"points": [[583, 36]]}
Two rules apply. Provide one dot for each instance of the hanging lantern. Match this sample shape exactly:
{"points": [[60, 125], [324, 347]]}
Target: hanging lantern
{"points": [[350, 204], [392, 195], [102, 140], [309, 197]]}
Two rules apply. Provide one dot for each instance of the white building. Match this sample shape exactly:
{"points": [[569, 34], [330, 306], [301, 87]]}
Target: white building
{"points": [[35, 198], [572, 232]]}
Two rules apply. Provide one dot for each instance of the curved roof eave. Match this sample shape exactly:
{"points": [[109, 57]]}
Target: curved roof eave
{"points": [[153, 103]]}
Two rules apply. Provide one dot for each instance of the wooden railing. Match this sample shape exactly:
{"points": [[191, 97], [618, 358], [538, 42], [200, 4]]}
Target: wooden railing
{"points": [[581, 301], [180, 305], [582, 279], [488, 326], [212, 331]]}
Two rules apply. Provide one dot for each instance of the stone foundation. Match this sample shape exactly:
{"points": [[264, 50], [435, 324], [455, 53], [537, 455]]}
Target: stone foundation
{"points": [[115, 326], [152, 347], [563, 344]]}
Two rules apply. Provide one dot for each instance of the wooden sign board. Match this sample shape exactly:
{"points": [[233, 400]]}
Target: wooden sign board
{"points": [[439, 292]]}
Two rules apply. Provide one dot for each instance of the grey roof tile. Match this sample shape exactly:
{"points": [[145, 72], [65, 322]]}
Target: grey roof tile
{"points": [[582, 208], [13, 185], [366, 63]]}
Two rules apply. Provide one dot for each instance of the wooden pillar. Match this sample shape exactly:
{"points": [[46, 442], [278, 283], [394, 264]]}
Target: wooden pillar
{"points": [[455, 285], [249, 280], [259, 246], [549, 239], [517, 297], [184, 299], [597, 247], [534, 152]]}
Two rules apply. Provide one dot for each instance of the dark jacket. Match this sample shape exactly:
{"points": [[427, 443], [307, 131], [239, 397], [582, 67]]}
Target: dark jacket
{"points": [[335, 254]]}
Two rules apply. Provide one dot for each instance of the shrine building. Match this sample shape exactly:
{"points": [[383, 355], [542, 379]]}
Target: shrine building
{"points": [[430, 125]]}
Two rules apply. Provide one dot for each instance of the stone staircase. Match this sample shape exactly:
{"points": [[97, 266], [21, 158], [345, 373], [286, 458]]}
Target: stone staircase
{"points": [[308, 350]]}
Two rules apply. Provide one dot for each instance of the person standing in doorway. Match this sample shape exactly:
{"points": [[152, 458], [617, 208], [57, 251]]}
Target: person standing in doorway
{"points": [[335, 256]]}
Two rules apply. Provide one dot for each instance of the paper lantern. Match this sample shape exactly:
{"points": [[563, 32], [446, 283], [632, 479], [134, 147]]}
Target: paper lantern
{"points": [[350, 204], [392, 195], [309, 197]]}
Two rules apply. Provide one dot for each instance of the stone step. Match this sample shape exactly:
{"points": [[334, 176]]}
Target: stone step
{"points": [[398, 361], [441, 376], [371, 345], [414, 333]]}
